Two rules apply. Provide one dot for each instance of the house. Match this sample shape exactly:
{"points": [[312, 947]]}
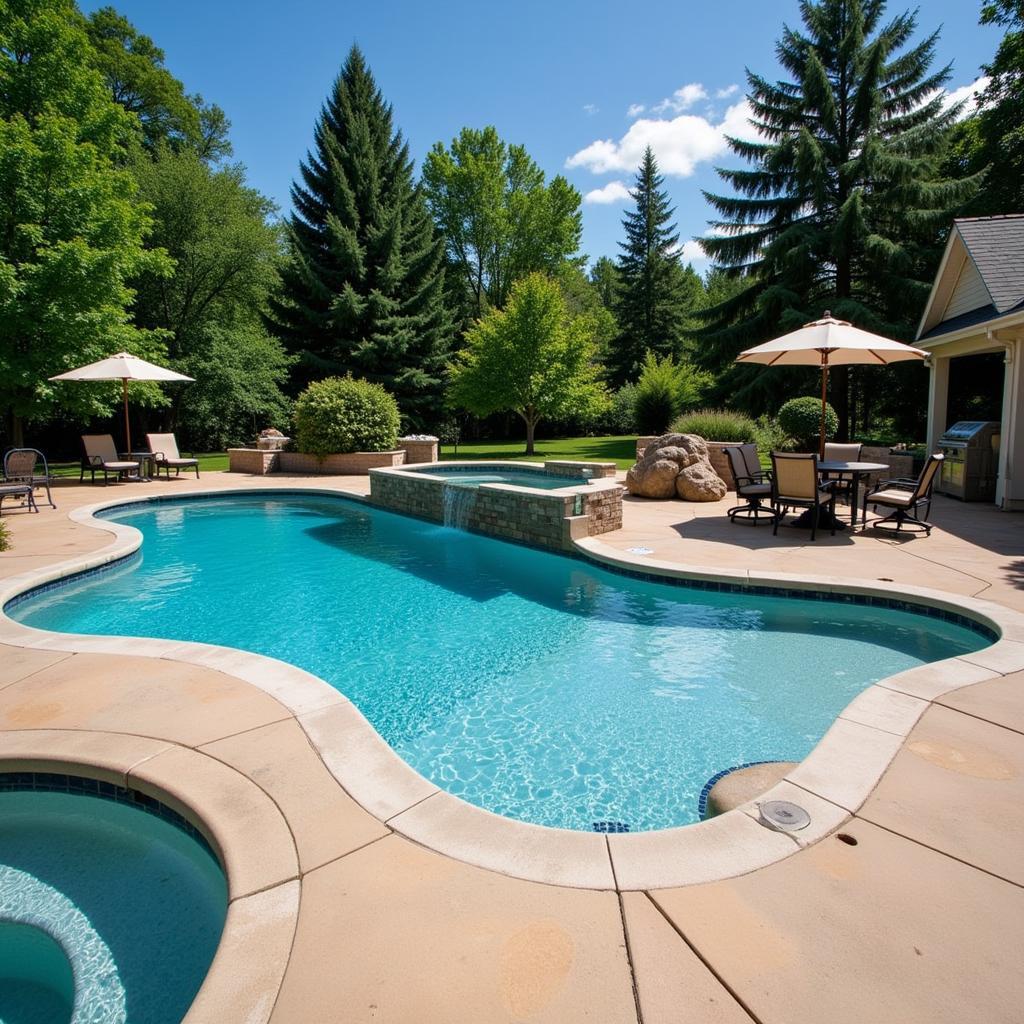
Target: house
{"points": [[973, 326]]}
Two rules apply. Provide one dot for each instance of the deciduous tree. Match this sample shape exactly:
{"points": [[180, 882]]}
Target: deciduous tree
{"points": [[532, 358]]}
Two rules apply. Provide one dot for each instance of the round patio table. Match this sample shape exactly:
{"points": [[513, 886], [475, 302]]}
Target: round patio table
{"points": [[854, 470]]}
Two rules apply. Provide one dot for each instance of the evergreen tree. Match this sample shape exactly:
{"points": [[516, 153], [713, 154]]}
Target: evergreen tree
{"points": [[363, 289], [652, 300], [843, 208]]}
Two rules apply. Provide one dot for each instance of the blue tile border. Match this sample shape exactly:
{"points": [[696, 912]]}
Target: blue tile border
{"points": [[702, 800], [81, 785]]}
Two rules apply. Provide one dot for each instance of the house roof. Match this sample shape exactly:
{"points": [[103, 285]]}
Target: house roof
{"points": [[995, 245]]}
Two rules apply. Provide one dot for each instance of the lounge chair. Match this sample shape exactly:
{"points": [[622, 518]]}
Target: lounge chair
{"points": [[100, 456], [795, 484], [752, 483], [909, 499], [20, 466], [165, 453]]}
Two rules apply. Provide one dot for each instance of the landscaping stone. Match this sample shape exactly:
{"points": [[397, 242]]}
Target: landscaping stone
{"points": [[676, 464]]}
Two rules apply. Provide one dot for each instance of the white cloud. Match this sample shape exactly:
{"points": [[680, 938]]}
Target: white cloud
{"points": [[679, 144], [692, 251], [724, 94], [613, 192], [682, 99], [970, 92], [635, 110], [590, 108]]}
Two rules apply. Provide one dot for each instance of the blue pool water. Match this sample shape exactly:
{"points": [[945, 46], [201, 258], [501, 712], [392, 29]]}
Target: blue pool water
{"points": [[140, 902], [519, 477], [538, 686]]}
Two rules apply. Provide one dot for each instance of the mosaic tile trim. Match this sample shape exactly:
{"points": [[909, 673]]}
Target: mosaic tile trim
{"points": [[56, 782], [702, 800]]}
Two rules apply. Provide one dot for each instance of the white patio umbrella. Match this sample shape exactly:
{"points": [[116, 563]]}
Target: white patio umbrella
{"points": [[829, 342], [123, 367]]}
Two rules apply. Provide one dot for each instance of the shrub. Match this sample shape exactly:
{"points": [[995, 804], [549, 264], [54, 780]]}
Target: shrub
{"points": [[665, 387], [343, 414], [770, 437], [621, 416], [800, 418], [716, 425], [5, 542]]}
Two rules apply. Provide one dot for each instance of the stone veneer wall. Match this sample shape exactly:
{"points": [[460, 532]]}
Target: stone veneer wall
{"points": [[252, 460], [540, 518]]}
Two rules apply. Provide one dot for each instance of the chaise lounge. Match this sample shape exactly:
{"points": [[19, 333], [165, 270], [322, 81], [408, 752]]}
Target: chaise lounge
{"points": [[100, 456], [165, 453]]}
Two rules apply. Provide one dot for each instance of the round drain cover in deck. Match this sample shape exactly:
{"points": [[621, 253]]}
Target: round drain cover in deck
{"points": [[783, 815]]}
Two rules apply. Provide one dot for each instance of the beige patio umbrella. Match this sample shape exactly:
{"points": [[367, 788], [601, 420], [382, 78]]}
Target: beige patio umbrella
{"points": [[829, 342], [123, 367]]}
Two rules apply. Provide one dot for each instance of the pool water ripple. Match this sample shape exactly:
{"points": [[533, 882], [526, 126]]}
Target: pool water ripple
{"points": [[538, 686]]}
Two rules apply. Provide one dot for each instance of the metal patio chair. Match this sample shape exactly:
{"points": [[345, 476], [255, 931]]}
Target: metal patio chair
{"points": [[752, 483], [99, 455], [165, 453], [909, 499], [20, 465], [795, 484]]}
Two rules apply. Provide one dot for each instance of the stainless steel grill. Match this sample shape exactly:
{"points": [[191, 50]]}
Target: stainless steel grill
{"points": [[969, 471]]}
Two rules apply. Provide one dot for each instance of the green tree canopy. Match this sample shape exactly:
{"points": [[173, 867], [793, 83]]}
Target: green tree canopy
{"points": [[604, 276], [992, 140], [363, 289], [133, 68], [71, 228], [656, 299], [842, 207], [532, 358], [499, 219], [226, 256]]}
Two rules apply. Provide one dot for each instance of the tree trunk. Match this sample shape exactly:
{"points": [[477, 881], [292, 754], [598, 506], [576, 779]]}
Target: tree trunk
{"points": [[530, 425], [17, 431]]}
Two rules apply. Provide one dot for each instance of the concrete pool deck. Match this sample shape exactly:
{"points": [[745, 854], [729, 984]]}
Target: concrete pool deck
{"points": [[337, 916]]}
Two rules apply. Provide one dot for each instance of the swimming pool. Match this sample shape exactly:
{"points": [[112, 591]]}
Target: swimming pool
{"points": [[129, 899], [474, 477], [538, 686]]}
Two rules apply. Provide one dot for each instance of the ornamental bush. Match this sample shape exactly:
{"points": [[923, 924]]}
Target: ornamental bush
{"points": [[716, 425], [4, 540], [800, 418], [345, 414], [665, 388]]}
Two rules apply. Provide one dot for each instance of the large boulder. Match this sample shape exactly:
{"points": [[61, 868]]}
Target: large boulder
{"points": [[676, 464]]}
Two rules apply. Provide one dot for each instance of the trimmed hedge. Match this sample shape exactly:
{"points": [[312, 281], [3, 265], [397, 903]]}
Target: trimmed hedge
{"points": [[343, 415]]}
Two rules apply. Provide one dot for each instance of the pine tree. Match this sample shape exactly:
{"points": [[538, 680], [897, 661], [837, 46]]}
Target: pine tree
{"points": [[363, 288], [843, 208], [652, 294]]}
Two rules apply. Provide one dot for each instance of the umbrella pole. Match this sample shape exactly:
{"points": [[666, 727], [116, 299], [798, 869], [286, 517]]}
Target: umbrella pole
{"points": [[127, 428], [824, 402]]}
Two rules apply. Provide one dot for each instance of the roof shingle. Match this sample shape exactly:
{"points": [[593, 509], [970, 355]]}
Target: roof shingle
{"points": [[996, 246]]}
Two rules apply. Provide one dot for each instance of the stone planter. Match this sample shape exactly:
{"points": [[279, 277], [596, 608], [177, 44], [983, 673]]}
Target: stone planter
{"points": [[271, 444], [720, 460], [254, 460], [418, 450]]}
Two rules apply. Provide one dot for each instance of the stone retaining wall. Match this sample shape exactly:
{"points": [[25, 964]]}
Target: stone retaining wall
{"points": [[598, 470], [252, 460], [418, 451], [547, 519]]}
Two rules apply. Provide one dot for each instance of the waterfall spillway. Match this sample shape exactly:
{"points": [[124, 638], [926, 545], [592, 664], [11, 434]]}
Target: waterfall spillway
{"points": [[458, 502]]}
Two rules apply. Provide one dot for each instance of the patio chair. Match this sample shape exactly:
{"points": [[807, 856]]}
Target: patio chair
{"points": [[100, 456], [20, 466], [23, 491], [909, 499], [752, 483], [165, 453], [841, 453], [795, 484]]}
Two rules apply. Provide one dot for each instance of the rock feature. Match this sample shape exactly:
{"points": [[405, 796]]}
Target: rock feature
{"points": [[676, 464]]}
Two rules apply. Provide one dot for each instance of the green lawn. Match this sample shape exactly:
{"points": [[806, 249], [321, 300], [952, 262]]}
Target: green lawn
{"points": [[620, 450]]}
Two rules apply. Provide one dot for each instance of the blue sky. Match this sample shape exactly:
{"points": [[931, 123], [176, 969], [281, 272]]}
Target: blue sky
{"points": [[559, 77]]}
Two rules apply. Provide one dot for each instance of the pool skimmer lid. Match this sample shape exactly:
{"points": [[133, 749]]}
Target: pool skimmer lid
{"points": [[783, 816]]}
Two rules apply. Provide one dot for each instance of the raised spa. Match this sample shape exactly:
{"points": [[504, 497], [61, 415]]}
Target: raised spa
{"points": [[536, 685]]}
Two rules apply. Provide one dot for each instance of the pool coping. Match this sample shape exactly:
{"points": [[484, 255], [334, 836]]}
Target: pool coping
{"points": [[831, 783]]}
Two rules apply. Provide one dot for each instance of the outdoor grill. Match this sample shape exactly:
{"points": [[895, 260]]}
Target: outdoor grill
{"points": [[969, 469]]}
